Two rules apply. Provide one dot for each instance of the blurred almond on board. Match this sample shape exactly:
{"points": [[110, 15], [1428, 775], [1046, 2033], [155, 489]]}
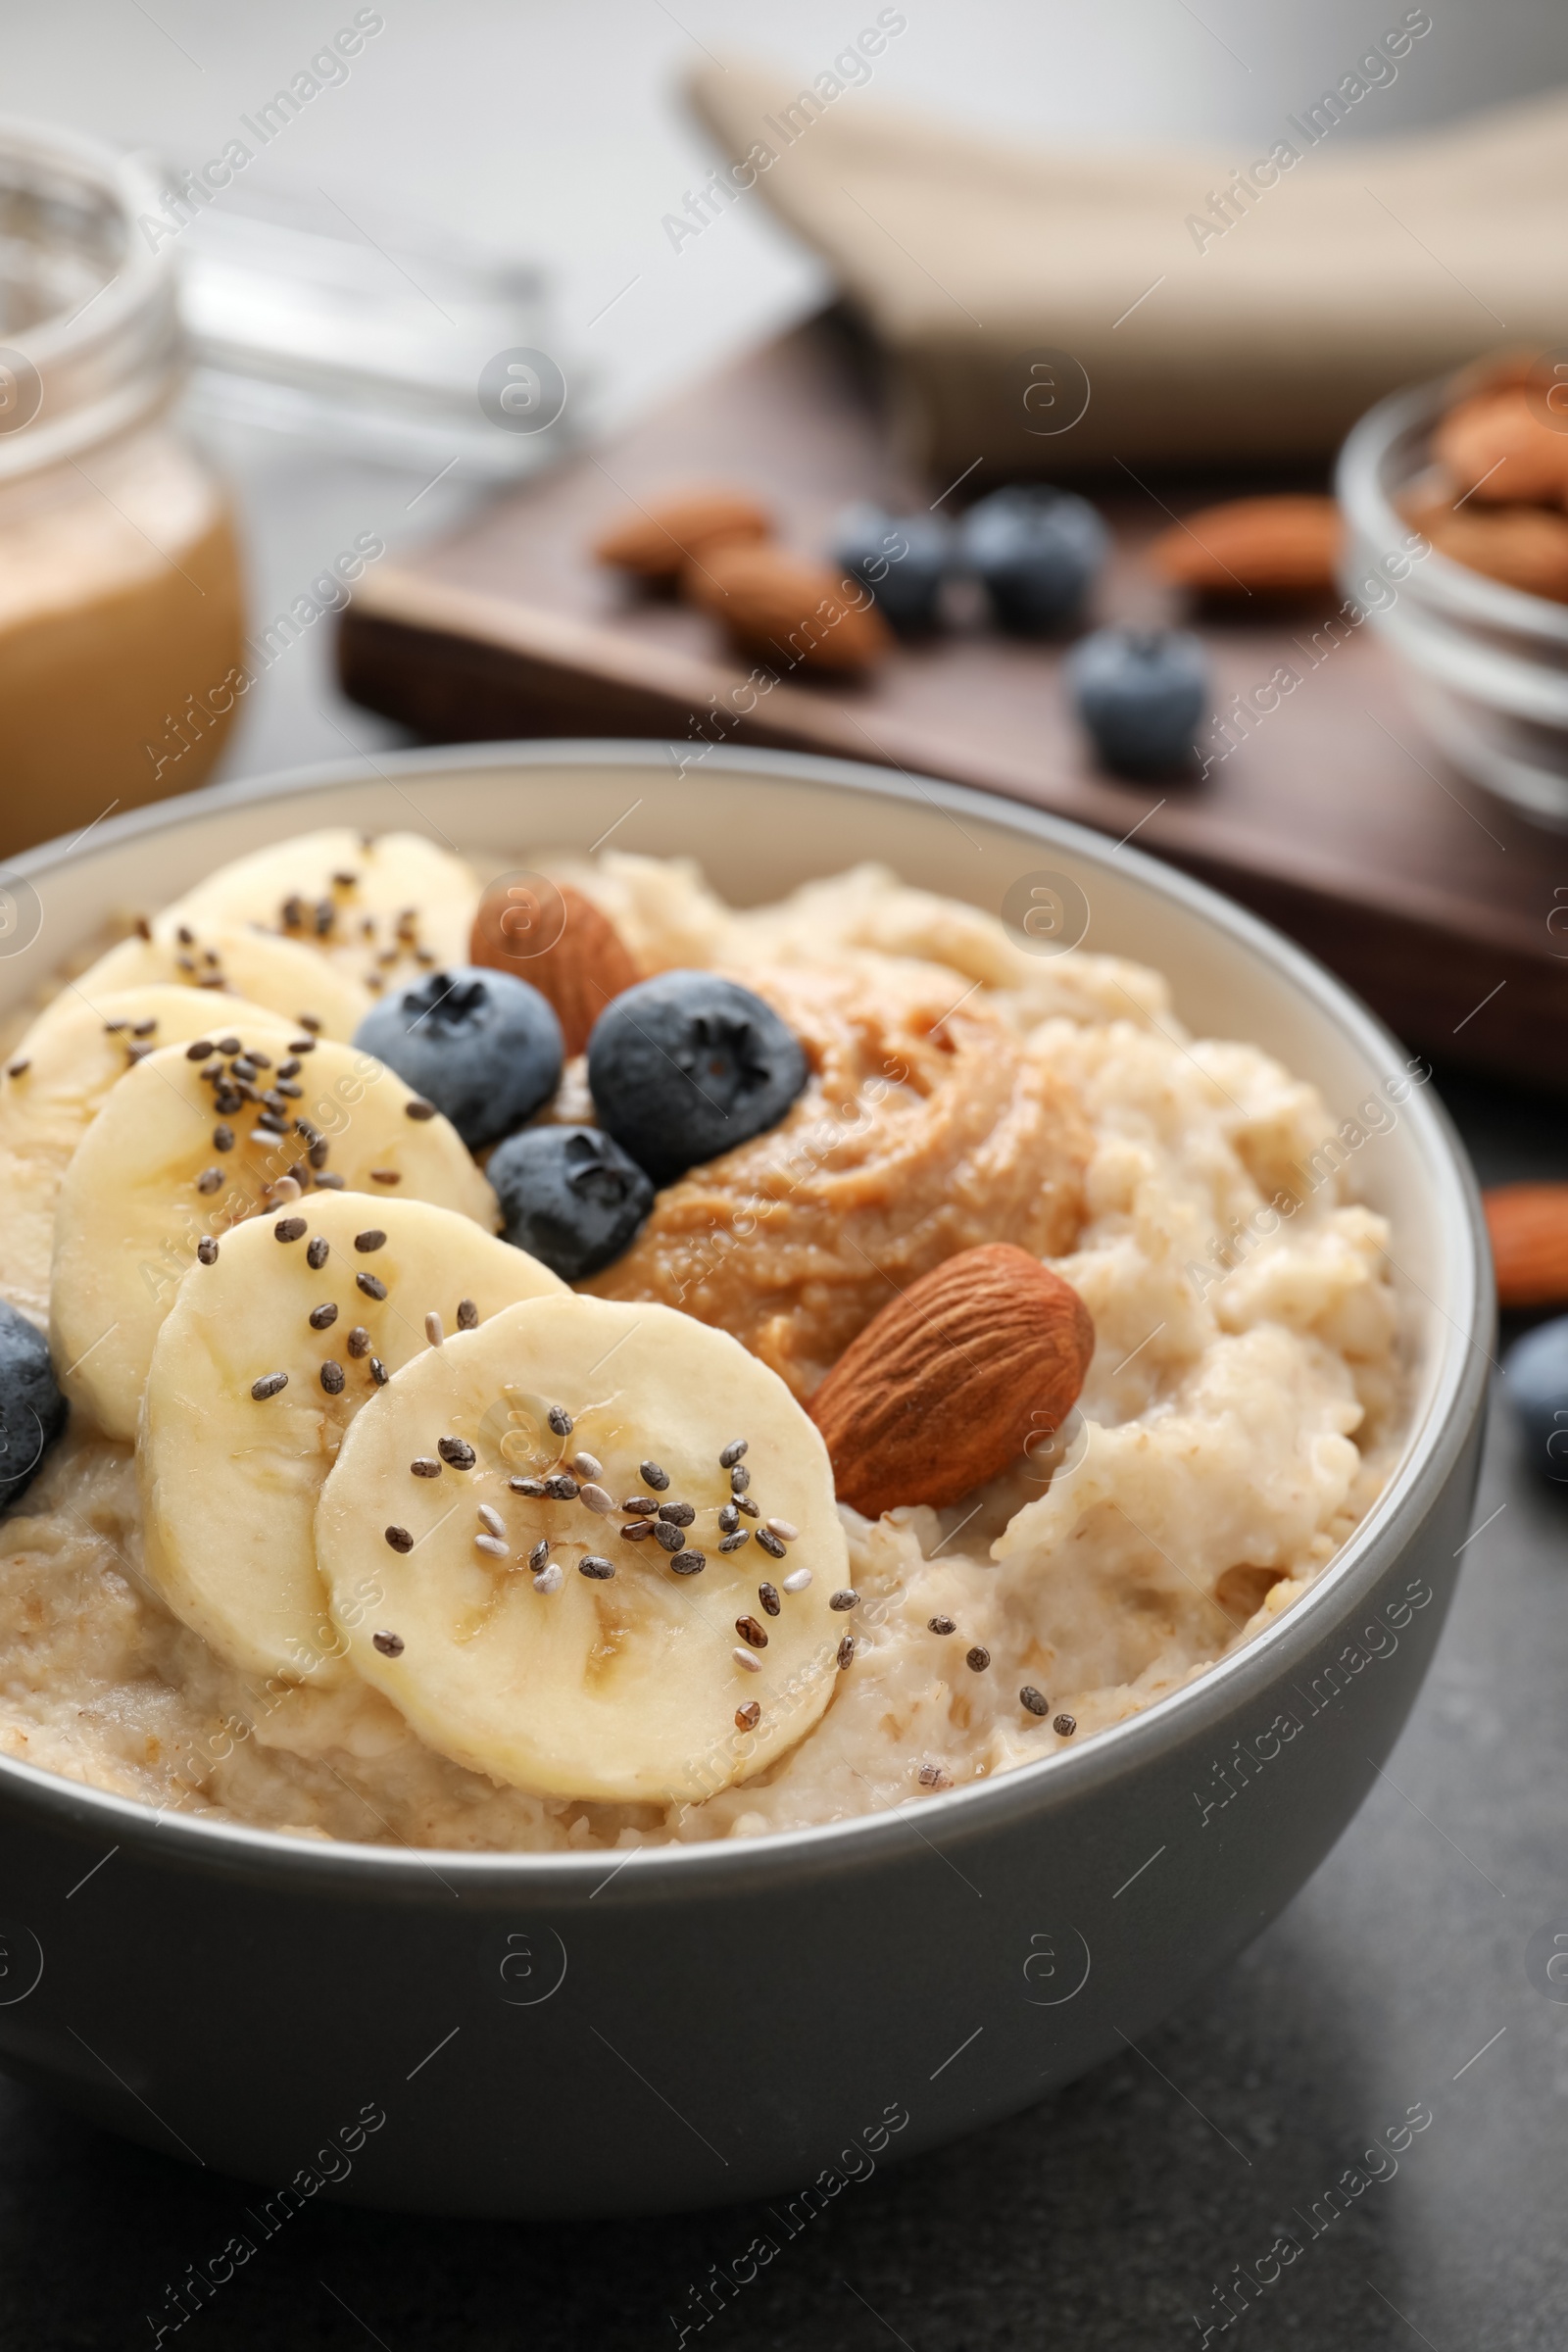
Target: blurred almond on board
{"points": [[950, 1382], [1258, 546], [1529, 1228], [783, 610], [654, 541], [560, 943]]}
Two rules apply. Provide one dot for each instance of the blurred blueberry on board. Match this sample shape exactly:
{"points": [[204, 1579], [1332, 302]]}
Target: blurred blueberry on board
{"points": [[1537, 1372], [687, 1066], [32, 1411], [571, 1197], [1036, 552], [1140, 694], [484, 1048], [902, 559]]}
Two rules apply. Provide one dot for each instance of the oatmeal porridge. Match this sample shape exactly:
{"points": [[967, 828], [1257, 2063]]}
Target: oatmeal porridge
{"points": [[452, 1439]]}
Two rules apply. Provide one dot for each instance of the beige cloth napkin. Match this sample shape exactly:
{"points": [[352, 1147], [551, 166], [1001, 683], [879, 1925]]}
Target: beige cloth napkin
{"points": [[1257, 326]]}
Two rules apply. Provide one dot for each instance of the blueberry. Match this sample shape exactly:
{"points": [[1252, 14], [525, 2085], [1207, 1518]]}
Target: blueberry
{"points": [[901, 559], [32, 1411], [1036, 552], [571, 1197], [687, 1066], [1140, 694], [1536, 1369], [482, 1046]]}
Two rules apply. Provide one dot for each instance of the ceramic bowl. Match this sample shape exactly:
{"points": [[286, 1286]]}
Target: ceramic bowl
{"points": [[528, 2034]]}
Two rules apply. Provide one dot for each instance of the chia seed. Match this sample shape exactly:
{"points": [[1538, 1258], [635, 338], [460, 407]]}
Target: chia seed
{"points": [[207, 1251], [400, 1539], [359, 1341], [323, 1317], [941, 1625], [652, 1475], [751, 1632], [747, 1717], [468, 1315], [689, 1563], [977, 1659], [847, 1600], [767, 1595], [423, 1466], [332, 1378], [559, 1420], [455, 1452], [668, 1537], [594, 1564], [370, 1286], [1065, 1726], [732, 1454], [734, 1542], [677, 1514], [1035, 1700], [770, 1544], [373, 1239], [269, 1386], [389, 1645], [846, 1651]]}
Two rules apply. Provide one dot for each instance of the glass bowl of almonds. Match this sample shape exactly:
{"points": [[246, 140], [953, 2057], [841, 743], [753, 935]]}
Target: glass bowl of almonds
{"points": [[1455, 498]]}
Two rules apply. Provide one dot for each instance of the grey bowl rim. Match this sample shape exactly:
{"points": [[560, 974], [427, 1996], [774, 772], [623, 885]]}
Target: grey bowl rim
{"points": [[1463, 594], [724, 1867]]}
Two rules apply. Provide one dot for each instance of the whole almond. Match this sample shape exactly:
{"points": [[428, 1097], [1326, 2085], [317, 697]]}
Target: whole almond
{"points": [[1499, 450], [654, 541], [560, 943], [1529, 1228], [951, 1381], [786, 612], [1524, 547], [1253, 545]]}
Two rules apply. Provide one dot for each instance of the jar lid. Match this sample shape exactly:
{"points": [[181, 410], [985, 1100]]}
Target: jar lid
{"points": [[90, 325]]}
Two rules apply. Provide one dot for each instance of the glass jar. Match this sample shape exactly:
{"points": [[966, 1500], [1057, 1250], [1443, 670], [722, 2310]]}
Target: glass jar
{"points": [[120, 608]]}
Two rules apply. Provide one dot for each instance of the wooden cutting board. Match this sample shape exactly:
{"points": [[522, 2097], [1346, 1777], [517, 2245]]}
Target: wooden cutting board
{"points": [[1336, 817]]}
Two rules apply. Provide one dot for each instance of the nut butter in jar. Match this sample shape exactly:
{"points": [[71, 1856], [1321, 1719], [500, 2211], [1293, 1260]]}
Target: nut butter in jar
{"points": [[119, 588]]}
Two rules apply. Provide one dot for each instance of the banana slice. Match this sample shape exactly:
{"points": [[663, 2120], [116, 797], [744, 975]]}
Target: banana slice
{"points": [[382, 909], [53, 1088], [225, 961], [229, 1477], [182, 1149], [521, 1633]]}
